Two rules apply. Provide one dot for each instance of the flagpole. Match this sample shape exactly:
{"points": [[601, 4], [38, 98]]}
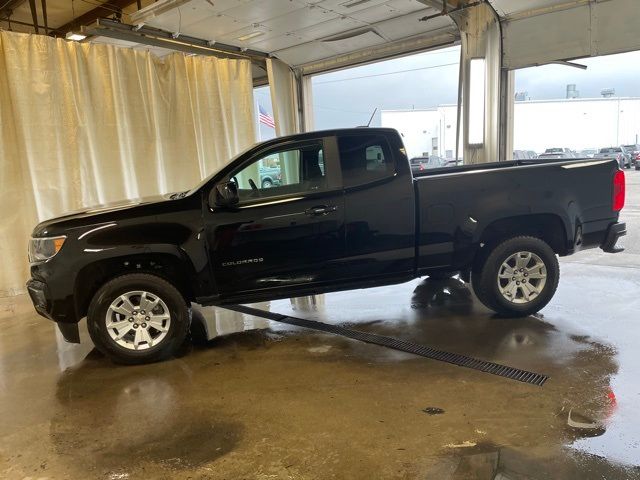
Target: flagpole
{"points": [[258, 119]]}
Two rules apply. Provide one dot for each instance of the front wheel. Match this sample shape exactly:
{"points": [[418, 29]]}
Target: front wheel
{"points": [[518, 277], [138, 318]]}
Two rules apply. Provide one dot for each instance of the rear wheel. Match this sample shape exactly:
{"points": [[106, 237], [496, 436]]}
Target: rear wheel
{"points": [[518, 277], [138, 318], [266, 183]]}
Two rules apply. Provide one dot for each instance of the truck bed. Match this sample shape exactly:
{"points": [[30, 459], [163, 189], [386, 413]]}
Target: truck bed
{"points": [[505, 164], [459, 208]]}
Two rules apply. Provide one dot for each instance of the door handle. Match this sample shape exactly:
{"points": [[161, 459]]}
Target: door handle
{"points": [[320, 210]]}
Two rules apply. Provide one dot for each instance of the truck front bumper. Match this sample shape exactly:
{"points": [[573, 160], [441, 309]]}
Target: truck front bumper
{"points": [[60, 311], [614, 232]]}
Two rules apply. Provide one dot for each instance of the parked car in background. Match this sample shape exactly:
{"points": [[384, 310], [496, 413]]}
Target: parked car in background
{"points": [[634, 152], [587, 153], [555, 156], [524, 155], [615, 152], [270, 176], [628, 156], [453, 163], [419, 164], [557, 153]]}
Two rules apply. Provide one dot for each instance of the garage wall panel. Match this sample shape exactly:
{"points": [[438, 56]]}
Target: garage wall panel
{"points": [[544, 38], [616, 27], [587, 29]]}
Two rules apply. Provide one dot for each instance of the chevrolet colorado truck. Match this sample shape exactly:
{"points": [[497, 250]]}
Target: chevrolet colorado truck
{"points": [[348, 213]]}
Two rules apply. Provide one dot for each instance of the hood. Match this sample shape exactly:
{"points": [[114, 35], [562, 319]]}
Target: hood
{"points": [[100, 213]]}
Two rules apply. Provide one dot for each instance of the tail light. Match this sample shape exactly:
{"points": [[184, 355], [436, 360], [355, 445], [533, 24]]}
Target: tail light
{"points": [[618, 191]]}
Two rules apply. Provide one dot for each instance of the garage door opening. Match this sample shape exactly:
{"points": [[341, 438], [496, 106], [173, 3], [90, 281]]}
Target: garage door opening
{"points": [[415, 94], [562, 111]]}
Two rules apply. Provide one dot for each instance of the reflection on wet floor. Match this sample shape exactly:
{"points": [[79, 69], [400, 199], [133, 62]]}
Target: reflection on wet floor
{"points": [[262, 399]]}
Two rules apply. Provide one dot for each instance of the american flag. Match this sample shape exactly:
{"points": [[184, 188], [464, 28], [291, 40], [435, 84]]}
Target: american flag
{"points": [[266, 118]]}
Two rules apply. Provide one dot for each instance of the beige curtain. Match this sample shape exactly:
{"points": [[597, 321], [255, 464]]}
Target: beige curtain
{"points": [[83, 124], [284, 100], [284, 97]]}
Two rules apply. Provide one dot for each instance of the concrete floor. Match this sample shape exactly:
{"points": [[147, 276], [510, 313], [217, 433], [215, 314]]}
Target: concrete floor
{"points": [[276, 402]]}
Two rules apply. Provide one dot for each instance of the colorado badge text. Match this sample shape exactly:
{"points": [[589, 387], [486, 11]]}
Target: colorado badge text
{"points": [[242, 262]]}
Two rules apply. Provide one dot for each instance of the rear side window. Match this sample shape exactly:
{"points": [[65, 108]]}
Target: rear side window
{"points": [[364, 159]]}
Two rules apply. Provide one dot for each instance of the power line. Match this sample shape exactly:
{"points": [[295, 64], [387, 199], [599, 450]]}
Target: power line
{"points": [[340, 109], [388, 73]]}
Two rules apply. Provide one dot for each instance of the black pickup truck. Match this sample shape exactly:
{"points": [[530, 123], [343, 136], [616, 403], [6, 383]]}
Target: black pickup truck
{"points": [[347, 214]]}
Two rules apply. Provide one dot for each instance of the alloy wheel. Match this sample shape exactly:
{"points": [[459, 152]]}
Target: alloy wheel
{"points": [[522, 277], [138, 320]]}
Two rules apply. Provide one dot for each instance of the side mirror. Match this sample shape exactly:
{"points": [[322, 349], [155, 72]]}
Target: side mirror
{"points": [[224, 194]]}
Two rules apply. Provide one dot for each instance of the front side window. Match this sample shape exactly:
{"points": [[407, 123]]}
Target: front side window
{"points": [[364, 159], [285, 171]]}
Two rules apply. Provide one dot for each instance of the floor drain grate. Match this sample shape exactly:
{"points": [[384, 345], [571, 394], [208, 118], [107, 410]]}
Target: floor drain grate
{"points": [[402, 345]]}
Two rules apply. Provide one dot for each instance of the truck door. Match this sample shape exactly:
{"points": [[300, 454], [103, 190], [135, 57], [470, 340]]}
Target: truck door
{"points": [[379, 205], [282, 233]]}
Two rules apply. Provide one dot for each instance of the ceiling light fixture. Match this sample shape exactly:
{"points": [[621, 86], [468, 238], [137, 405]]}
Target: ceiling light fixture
{"points": [[354, 3], [75, 36], [477, 93], [248, 36]]}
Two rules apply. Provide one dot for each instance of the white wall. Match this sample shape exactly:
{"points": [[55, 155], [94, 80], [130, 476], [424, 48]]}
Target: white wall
{"points": [[575, 124], [420, 127]]}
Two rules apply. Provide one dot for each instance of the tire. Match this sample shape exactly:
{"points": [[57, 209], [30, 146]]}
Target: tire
{"points": [[532, 291], [266, 183], [143, 339]]}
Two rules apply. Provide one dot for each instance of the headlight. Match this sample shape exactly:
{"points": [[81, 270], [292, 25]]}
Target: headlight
{"points": [[42, 249]]}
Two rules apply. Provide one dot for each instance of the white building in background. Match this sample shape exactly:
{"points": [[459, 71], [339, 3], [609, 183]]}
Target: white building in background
{"points": [[425, 132], [577, 123]]}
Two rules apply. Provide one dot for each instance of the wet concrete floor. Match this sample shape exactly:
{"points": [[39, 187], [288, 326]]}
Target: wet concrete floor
{"points": [[270, 401]]}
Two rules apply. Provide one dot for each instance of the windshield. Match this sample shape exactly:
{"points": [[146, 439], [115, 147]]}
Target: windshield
{"points": [[215, 172]]}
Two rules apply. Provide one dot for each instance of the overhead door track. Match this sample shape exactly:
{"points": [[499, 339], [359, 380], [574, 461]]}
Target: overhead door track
{"points": [[402, 345]]}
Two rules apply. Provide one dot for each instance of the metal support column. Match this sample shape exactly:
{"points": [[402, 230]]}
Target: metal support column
{"points": [[305, 101], [507, 108], [480, 34]]}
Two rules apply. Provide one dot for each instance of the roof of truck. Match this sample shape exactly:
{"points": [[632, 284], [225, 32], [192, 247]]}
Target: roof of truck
{"points": [[333, 132]]}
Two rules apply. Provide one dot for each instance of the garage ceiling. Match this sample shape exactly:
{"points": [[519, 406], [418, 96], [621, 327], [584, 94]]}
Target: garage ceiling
{"points": [[509, 8], [321, 35], [296, 31]]}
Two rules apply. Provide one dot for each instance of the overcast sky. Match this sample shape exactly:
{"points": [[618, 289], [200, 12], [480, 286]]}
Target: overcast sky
{"points": [[347, 98]]}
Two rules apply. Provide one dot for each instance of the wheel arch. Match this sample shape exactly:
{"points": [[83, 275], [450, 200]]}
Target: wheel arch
{"points": [[548, 227], [171, 267]]}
